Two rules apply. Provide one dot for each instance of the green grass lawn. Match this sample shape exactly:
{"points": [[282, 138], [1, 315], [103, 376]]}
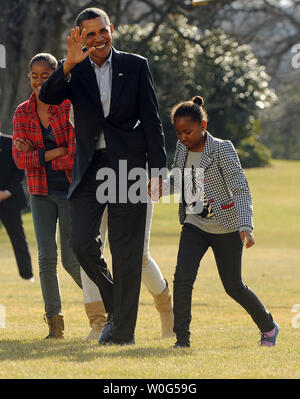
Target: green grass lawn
{"points": [[224, 338]]}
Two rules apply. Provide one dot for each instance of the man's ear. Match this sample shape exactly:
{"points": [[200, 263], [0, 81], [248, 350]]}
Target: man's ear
{"points": [[111, 28], [204, 125]]}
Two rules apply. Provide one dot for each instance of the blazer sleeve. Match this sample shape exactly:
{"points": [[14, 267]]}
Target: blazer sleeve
{"points": [[56, 88], [236, 182], [149, 118], [23, 159], [66, 161]]}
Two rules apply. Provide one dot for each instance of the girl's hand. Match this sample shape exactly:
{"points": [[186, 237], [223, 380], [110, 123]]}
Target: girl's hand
{"points": [[155, 188], [23, 145], [247, 238], [55, 153], [62, 151]]}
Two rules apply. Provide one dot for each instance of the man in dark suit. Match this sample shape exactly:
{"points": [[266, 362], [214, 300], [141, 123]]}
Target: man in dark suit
{"points": [[12, 201], [116, 119]]}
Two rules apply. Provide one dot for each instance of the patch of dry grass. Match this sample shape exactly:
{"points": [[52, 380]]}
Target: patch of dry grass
{"points": [[223, 335]]}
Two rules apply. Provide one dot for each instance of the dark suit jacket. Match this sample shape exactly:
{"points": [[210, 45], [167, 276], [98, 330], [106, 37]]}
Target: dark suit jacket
{"points": [[10, 176], [132, 130]]}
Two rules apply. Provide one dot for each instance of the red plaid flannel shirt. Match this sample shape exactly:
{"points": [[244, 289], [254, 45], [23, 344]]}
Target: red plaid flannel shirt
{"points": [[27, 125]]}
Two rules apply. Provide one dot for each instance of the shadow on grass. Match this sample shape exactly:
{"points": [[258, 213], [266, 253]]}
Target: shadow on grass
{"points": [[78, 351], [195, 303]]}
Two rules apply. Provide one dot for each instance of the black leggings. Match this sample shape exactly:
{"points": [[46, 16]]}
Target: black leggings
{"points": [[12, 220], [227, 249]]}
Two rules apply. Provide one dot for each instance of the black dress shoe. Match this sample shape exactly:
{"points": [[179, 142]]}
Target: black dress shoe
{"points": [[123, 343], [181, 345], [106, 333]]}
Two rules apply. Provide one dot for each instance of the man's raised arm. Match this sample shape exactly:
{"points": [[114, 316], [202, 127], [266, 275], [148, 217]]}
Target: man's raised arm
{"points": [[56, 88]]}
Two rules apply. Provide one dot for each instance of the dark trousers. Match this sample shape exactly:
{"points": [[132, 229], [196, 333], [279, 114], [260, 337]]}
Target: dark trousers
{"points": [[12, 221], [126, 230], [227, 249]]}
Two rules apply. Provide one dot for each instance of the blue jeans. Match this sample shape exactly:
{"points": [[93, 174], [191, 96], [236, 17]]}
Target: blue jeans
{"points": [[46, 211]]}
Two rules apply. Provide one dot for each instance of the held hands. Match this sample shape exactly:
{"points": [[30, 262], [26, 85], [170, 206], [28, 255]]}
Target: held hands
{"points": [[247, 238], [75, 54], [155, 188]]}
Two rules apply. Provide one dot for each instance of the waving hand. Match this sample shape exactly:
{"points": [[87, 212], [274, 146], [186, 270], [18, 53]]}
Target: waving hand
{"points": [[75, 54]]}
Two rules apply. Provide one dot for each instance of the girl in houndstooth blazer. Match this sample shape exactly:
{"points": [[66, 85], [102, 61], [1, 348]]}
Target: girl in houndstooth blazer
{"points": [[215, 211]]}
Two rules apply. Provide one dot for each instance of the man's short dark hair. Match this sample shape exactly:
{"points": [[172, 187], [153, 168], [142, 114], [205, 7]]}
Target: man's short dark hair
{"points": [[91, 13]]}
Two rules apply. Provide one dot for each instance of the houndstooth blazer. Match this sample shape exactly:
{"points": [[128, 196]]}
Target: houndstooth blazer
{"points": [[225, 183]]}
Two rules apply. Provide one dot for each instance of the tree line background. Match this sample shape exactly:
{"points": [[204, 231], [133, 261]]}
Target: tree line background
{"points": [[237, 54]]}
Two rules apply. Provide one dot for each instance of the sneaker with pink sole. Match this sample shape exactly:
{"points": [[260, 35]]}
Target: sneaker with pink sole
{"points": [[269, 338]]}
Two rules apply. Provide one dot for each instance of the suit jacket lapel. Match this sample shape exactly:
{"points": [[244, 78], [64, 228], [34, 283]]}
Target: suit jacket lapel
{"points": [[118, 77], [88, 77]]}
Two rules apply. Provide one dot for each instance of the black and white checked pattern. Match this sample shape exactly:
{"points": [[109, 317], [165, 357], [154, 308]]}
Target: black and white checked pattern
{"points": [[225, 183]]}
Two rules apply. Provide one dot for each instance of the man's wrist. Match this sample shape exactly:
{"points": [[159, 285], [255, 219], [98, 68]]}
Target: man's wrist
{"points": [[5, 194], [67, 67]]}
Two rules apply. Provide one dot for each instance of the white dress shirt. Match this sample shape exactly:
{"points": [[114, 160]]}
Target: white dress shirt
{"points": [[104, 81]]}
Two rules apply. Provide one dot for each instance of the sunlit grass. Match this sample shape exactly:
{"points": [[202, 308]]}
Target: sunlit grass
{"points": [[223, 335]]}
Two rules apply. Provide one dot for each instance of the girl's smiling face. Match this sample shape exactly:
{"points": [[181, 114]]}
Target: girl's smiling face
{"points": [[191, 133], [40, 71]]}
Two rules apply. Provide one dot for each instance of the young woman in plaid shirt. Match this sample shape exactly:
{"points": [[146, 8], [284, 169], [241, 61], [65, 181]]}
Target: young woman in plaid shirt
{"points": [[44, 145], [216, 212]]}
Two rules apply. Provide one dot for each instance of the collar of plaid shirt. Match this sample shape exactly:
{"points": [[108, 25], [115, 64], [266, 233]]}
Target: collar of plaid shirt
{"points": [[32, 105]]}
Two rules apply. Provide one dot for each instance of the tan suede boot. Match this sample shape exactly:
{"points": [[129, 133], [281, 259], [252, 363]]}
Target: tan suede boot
{"points": [[56, 326], [97, 316], [163, 303]]}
